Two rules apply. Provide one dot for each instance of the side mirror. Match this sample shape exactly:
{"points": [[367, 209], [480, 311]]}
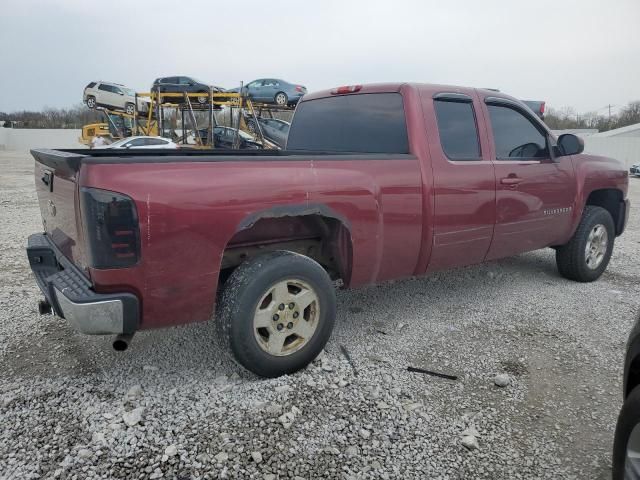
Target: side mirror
{"points": [[128, 145], [569, 144]]}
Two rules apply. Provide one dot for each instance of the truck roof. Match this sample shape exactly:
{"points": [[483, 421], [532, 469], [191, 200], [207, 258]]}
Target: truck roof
{"points": [[428, 88]]}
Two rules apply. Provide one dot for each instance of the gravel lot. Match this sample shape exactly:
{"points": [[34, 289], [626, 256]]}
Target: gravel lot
{"points": [[174, 407]]}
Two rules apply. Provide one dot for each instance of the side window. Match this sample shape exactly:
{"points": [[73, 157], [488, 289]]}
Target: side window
{"points": [[154, 141], [515, 136], [184, 81], [458, 130], [104, 88]]}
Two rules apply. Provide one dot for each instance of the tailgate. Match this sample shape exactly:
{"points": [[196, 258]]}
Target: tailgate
{"points": [[56, 174]]}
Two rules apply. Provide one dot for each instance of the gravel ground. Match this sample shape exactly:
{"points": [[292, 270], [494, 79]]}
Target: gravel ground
{"points": [[174, 407]]}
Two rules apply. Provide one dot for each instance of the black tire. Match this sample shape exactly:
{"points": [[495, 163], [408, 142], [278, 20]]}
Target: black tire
{"points": [[571, 258], [281, 99], [129, 109], [247, 285], [91, 102], [203, 99], [251, 126], [627, 420]]}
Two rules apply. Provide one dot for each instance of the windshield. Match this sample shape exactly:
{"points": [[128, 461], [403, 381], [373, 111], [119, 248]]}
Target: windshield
{"points": [[129, 92]]}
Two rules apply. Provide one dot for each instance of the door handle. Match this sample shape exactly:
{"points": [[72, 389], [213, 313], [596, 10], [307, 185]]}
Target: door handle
{"points": [[510, 181]]}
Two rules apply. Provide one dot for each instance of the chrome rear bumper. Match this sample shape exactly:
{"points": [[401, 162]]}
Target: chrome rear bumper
{"points": [[70, 294]]}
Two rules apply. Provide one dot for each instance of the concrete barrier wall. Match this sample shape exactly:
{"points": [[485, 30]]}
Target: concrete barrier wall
{"points": [[626, 149], [24, 139]]}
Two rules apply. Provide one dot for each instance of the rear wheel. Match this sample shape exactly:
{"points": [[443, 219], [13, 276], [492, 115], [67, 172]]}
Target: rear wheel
{"points": [[281, 99], [626, 445], [91, 102], [202, 99], [586, 256], [277, 312]]}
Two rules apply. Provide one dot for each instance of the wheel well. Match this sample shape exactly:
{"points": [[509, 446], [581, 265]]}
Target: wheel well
{"points": [[609, 199], [324, 239]]}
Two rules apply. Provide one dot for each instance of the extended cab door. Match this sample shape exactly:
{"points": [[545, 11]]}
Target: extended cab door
{"points": [[534, 192], [463, 179]]}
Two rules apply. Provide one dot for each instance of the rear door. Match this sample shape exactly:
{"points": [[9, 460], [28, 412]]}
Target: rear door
{"points": [[56, 189], [463, 178], [107, 95], [535, 193], [269, 89]]}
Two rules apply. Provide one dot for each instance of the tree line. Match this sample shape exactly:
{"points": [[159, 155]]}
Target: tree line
{"points": [[74, 117], [79, 115], [568, 118]]}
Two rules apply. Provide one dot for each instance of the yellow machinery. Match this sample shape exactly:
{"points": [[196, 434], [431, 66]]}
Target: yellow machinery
{"points": [[153, 123], [93, 129], [118, 125]]}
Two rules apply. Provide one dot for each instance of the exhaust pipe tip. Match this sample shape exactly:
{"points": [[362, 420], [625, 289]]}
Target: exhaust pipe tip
{"points": [[121, 342], [44, 307]]}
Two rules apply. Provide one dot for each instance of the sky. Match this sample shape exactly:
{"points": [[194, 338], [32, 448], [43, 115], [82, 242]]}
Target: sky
{"points": [[583, 54]]}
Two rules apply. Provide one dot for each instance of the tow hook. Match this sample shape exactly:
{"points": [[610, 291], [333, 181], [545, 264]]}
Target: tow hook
{"points": [[122, 341], [44, 307]]}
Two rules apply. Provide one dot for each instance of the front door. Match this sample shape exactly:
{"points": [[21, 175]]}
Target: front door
{"points": [[534, 193]]}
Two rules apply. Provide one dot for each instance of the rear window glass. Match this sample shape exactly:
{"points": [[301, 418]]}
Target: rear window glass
{"points": [[457, 127], [367, 123], [91, 85]]}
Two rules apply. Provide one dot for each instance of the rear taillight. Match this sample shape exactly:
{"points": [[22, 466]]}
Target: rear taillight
{"points": [[111, 228], [299, 88], [346, 89], [541, 107]]}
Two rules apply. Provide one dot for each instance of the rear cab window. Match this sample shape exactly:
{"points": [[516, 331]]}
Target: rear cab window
{"points": [[362, 123], [457, 129]]}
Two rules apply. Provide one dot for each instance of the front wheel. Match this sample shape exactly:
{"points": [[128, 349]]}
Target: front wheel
{"points": [[626, 445], [129, 109], [202, 99], [281, 99], [586, 256], [277, 312], [91, 102]]}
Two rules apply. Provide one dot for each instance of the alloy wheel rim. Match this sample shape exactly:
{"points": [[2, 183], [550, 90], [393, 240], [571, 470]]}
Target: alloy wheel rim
{"points": [[632, 459], [596, 247], [280, 99], [286, 317]]}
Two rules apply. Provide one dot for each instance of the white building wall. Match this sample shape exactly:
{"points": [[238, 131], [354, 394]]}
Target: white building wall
{"points": [[24, 139], [626, 149]]}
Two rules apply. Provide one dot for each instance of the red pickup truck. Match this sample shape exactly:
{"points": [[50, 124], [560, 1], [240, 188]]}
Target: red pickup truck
{"points": [[378, 182]]}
